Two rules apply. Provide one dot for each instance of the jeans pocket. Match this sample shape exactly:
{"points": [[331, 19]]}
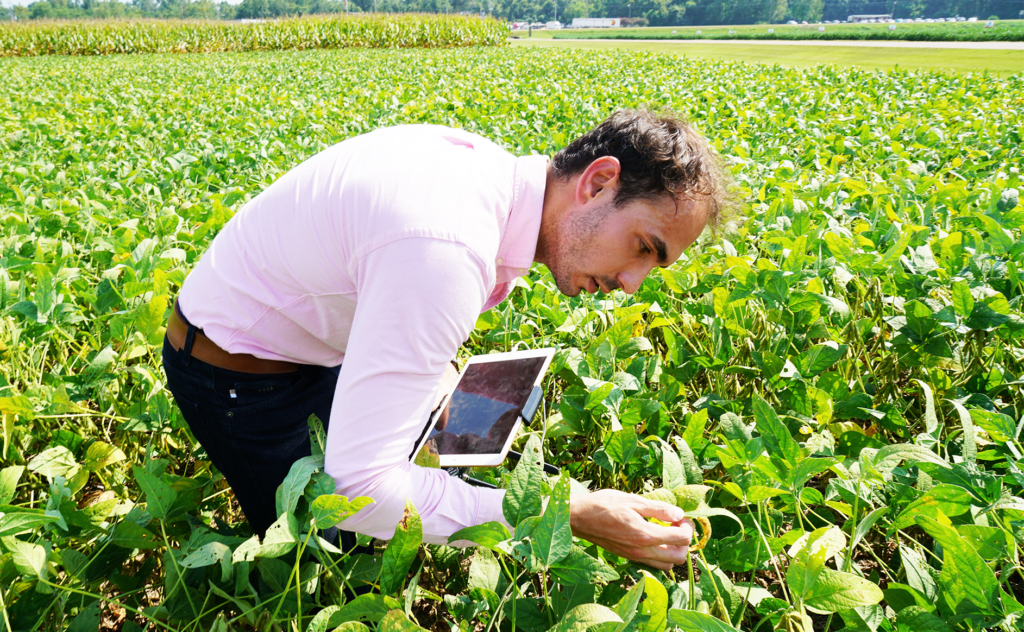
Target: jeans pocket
{"points": [[245, 393]]}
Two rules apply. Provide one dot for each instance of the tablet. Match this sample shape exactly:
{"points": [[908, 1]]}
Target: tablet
{"points": [[475, 425]]}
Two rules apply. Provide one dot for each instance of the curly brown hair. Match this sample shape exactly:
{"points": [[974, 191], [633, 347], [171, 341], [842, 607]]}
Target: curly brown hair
{"points": [[659, 153]]}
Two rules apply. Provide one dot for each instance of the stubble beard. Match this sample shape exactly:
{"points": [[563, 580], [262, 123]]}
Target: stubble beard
{"points": [[570, 245]]}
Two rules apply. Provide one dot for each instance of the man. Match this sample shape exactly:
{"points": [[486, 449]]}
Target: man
{"points": [[346, 288]]}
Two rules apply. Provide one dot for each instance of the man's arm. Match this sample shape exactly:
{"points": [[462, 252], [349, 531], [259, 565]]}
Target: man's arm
{"points": [[418, 300]]}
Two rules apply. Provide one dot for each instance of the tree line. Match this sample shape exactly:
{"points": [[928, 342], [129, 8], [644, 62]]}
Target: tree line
{"points": [[653, 12]]}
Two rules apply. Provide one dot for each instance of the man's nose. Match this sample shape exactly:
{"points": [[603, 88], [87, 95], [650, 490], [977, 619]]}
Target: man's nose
{"points": [[630, 279]]}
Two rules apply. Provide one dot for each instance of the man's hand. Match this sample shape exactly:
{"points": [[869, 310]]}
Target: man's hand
{"points": [[615, 521], [448, 382]]}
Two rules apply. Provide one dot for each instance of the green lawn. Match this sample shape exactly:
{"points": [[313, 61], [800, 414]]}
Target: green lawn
{"points": [[998, 62]]}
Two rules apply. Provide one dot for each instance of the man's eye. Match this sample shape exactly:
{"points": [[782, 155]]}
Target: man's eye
{"points": [[644, 250]]}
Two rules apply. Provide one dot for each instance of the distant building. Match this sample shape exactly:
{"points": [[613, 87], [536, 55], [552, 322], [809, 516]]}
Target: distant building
{"points": [[878, 17], [596, 23]]}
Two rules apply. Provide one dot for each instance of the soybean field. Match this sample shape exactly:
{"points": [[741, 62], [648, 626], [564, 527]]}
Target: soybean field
{"points": [[832, 384]]}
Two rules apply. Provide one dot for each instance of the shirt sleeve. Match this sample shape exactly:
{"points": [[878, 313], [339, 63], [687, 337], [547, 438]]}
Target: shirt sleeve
{"points": [[418, 300]]}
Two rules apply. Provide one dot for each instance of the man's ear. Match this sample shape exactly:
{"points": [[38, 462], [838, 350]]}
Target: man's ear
{"points": [[601, 178]]}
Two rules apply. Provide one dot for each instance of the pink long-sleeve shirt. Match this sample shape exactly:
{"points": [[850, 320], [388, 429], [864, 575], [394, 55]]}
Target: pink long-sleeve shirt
{"points": [[377, 254]]}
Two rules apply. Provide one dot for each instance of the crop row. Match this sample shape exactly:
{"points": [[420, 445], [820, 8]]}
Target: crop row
{"points": [[173, 36], [1001, 32], [843, 368]]}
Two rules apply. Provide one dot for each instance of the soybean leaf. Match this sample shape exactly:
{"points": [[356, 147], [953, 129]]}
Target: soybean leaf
{"points": [[627, 608], [9, 477], [917, 619], [22, 521], [585, 616], [29, 558], [488, 534], [396, 621], [484, 571], [654, 605], [282, 536], [774, 433], [672, 474], [100, 455], [54, 462], [970, 444], [331, 509], [159, 495], [965, 577], [365, 608], [401, 551], [552, 538], [130, 535], [579, 567], [290, 490], [693, 621], [998, 426], [944, 499], [523, 498], [835, 590], [322, 620], [917, 572]]}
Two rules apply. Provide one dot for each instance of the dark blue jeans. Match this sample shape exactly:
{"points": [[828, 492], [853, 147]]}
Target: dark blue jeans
{"points": [[253, 426]]}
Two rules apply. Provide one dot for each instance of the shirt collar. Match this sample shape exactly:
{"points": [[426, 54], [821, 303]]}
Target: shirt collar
{"points": [[519, 242]]}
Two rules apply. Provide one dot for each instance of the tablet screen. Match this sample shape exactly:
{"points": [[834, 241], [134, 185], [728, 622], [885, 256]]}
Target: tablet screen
{"points": [[484, 407]]}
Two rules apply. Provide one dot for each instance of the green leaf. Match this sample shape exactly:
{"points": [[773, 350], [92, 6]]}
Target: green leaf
{"points": [[654, 605], [54, 462], [401, 550], [552, 538], [819, 358], [672, 474], [917, 572], [945, 499], [9, 477], [396, 621], [579, 567], [970, 445], [130, 535], [484, 571], [488, 534], [88, 619], [693, 621], [627, 608], [159, 495], [998, 426], [22, 521], [211, 553], [100, 455], [891, 455], [329, 510], [774, 433], [963, 301], [28, 558], [917, 619], [291, 489], [322, 620], [965, 577], [835, 590], [282, 536], [523, 498], [365, 608], [583, 617]]}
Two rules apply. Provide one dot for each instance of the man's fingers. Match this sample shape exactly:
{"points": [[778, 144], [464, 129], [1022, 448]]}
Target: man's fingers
{"points": [[661, 510], [676, 535]]}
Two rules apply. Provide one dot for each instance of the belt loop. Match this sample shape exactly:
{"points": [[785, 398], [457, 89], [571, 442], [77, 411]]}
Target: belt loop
{"points": [[186, 350]]}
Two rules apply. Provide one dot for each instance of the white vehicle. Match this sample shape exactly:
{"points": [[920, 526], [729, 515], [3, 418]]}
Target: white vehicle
{"points": [[792, 23], [553, 26], [596, 23], [972, 19]]}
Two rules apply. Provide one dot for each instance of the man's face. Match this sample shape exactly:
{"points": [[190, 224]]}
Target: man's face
{"points": [[601, 247]]}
